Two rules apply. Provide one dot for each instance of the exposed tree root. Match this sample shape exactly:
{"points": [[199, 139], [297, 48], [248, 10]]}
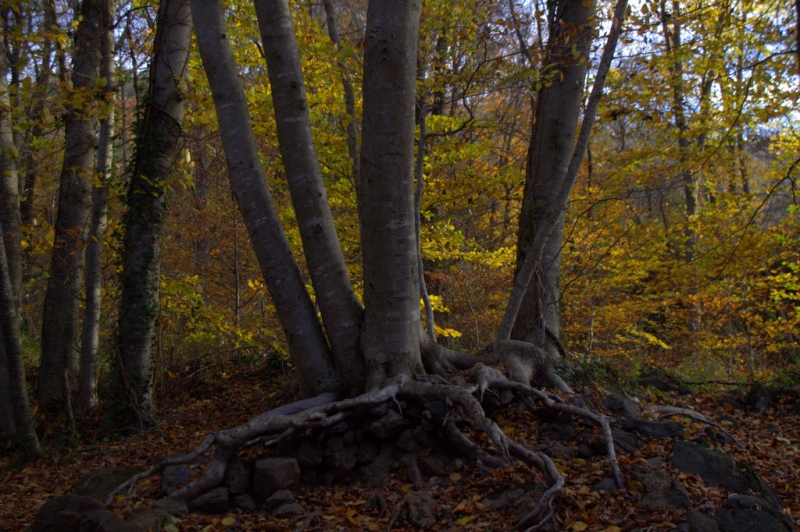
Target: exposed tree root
{"points": [[670, 411], [524, 363]]}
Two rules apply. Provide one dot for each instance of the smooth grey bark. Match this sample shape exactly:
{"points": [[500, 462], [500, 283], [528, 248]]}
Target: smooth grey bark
{"points": [[349, 94], [10, 222], [12, 345], [552, 212], [158, 145], [340, 309], [61, 304], [555, 125], [90, 335], [307, 344], [390, 339]]}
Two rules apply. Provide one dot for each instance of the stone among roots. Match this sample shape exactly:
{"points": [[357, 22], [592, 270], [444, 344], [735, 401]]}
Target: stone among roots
{"points": [[759, 398], [211, 502], [719, 469], [274, 474], [278, 499], [654, 429], [743, 513], [389, 425], [658, 381], [288, 510], [73, 512], [172, 507], [661, 491], [621, 405], [624, 442], [239, 476], [176, 476], [100, 483], [557, 431], [700, 522], [419, 510]]}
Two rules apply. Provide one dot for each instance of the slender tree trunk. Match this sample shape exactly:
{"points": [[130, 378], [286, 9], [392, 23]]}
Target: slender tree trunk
{"points": [[349, 95], [87, 378], [553, 210], [307, 344], [10, 241], [158, 146], [30, 160], [340, 309], [390, 339], [12, 346], [61, 304], [555, 125]]}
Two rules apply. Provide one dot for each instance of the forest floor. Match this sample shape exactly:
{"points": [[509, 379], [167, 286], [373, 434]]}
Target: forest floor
{"points": [[202, 401]]}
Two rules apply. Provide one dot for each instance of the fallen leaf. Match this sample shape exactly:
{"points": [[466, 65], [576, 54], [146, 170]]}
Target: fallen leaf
{"points": [[579, 526]]}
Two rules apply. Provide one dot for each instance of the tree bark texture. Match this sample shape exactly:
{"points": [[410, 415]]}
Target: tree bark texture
{"points": [[61, 305], [340, 309], [158, 146], [12, 346], [90, 335], [390, 339], [552, 211], [10, 221], [555, 125], [307, 343]]}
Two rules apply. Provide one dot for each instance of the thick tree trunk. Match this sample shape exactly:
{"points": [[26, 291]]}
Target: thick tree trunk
{"points": [[87, 378], [341, 311], [550, 214], [307, 343], [10, 242], [61, 305], [390, 339], [157, 148], [552, 143], [12, 345]]}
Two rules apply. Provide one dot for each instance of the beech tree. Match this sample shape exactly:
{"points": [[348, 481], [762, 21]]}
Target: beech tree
{"points": [[399, 360]]}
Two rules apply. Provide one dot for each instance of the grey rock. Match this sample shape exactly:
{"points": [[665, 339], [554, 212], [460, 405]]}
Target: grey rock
{"points": [[100, 483], [407, 442], [288, 510], [731, 402], [719, 469], [376, 473], [557, 431], [507, 499], [433, 464], [344, 460], [419, 510], [423, 437], [656, 461], [74, 512], [213, 501], [607, 484], [245, 502], [559, 450], [621, 405], [661, 491], [624, 442], [308, 454], [150, 519], [274, 474], [366, 452], [278, 499], [743, 513], [239, 476], [658, 381], [700, 522], [172, 507], [684, 390], [335, 443], [654, 429], [175, 476], [585, 452], [389, 425], [759, 398]]}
